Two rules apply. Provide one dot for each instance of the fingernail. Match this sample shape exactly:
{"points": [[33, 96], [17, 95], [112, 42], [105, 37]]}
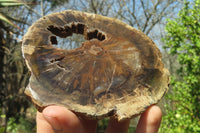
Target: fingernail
{"points": [[54, 123]]}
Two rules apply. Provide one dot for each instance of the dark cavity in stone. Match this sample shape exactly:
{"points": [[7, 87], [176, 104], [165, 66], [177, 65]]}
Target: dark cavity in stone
{"points": [[77, 28]]}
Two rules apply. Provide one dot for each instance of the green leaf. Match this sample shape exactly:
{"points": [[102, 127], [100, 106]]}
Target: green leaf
{"points": [[4, 3], [4, 18]]}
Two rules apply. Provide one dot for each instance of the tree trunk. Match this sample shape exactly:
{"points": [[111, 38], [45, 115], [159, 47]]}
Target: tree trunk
{"points": [[3, 119]]}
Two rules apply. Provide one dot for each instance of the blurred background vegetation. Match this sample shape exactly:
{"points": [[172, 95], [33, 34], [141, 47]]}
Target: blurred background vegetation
{"points": [[174, 25]]}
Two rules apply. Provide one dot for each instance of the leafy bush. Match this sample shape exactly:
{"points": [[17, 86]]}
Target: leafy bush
{"points": [[183, 39], [19, 126]]}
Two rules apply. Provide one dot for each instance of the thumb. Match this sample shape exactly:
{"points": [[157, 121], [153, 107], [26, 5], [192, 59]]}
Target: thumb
{"points": [[57, 119]]}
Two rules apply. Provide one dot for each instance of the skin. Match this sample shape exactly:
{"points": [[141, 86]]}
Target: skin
{"points": [[56, 119]]}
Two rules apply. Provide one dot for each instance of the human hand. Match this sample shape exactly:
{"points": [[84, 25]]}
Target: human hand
{"points": [[56, 119]]}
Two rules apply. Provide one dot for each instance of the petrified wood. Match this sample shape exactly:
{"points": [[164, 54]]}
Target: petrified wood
{"points": [[117, 71]]}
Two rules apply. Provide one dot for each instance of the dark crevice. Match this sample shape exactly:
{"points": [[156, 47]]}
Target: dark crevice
{"points": [[58, 59], [53, 40], [78, 28], [100, 36], [59, 65], [91, 35], [95, 34]]}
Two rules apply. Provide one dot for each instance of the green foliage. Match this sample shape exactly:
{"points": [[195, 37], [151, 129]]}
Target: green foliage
{"points": [[183, 39], [21, 125], [3, 16], [4, 3], [131, 129], [102, 125], [2, 129]]}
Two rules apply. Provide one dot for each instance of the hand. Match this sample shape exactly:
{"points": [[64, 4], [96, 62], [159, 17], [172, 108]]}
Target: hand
{"points": [[56, 119]]}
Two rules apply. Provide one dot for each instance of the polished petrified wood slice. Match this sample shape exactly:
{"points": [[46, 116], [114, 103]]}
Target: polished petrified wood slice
{"points": [[117, 71]]}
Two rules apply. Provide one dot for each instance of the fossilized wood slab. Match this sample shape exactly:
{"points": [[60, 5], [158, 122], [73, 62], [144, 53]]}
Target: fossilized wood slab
{"points": [[116, 71]]}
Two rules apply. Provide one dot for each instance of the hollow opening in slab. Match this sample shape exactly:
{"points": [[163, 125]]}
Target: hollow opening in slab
{"points": [[72, 35]]}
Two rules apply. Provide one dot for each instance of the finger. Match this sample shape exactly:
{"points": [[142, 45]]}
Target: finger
{"points": [[42, 125], [57, 119], [150, 120], [61, 119], [64, 121], [88, 126], [114, 126]]}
